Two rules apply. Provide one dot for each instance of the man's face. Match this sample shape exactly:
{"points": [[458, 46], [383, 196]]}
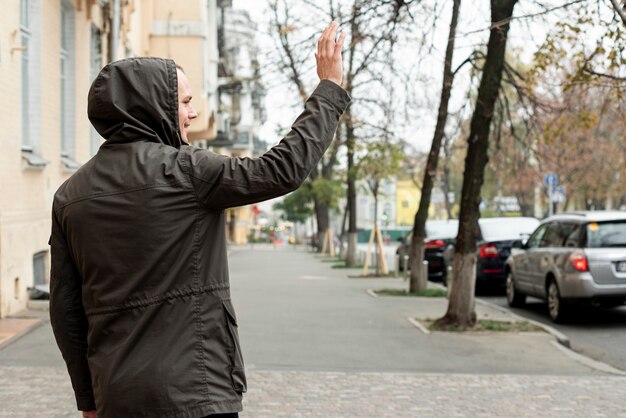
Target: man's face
{"points": [[186, 112]]}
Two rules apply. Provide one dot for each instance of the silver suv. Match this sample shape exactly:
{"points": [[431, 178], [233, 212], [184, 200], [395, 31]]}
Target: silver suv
{"points": [[571, 257]]}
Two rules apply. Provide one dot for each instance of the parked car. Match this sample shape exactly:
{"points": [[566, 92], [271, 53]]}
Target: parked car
{"points": [[439, 235], [574, 257], [496, 237]]}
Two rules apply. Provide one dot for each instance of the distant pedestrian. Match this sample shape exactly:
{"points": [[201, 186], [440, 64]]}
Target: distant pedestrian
{"points": [[140, 297]]}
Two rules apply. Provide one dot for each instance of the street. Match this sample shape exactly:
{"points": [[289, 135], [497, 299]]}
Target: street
{"points": [[316, 344], [597, 333]]}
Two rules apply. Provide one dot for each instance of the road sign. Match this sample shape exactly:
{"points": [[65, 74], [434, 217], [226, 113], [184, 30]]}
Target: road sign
{"points": [[551, 179]]}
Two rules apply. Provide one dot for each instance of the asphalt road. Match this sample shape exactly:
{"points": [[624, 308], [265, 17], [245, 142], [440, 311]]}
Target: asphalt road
{"points": [[597, 333]]}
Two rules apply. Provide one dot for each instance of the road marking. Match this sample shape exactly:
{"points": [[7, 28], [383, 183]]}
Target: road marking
{"points": [[419, 325], [313, 278]]}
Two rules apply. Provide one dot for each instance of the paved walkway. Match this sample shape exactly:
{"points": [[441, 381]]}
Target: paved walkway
{"points": [[317, 344], [27, 392]]}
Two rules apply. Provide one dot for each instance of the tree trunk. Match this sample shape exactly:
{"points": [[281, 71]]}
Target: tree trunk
{"points": [[446, 178], [350, 141], [322, 215], [342, 237], [419, 277], [352, 229], [461, 309], [376, 249]]}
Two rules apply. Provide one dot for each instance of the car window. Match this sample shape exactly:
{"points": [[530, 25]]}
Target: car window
{"points": [[571, 234], [506, 229], [552, 237], [442, 229], [535, 239], [606, 234]]}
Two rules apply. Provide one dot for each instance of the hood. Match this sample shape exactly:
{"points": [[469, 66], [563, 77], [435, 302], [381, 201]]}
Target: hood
{"points": [[136, 99]]}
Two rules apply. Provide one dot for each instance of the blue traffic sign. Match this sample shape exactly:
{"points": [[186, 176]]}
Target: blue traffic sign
{"points": [[551, 179]]}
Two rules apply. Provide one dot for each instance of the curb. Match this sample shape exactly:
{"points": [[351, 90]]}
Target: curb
{"points": [[589, 362], [27, 330], [418, 325], [558, 335], [371, 293]]}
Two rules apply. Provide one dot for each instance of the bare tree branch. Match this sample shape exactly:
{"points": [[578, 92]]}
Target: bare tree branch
{"points": [[620, 10]]}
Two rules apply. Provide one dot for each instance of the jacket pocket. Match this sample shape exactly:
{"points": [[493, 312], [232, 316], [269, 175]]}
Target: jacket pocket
{"points": [[237, 372]]}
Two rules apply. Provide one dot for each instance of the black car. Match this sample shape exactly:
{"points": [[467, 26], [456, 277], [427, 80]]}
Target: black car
{"points": [[496, 238], [439, 235]]}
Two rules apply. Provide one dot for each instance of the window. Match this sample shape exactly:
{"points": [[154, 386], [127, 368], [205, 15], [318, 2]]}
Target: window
{"points": [[561, 234], [571, 233], [553, 236], [25, 34], [39, 268], [606, 234], [67, 81], [508, 229], [536, 238], [96, 66], [30, 82]]}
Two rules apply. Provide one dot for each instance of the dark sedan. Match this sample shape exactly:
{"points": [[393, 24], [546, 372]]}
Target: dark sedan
{"points": [[496, 238], [439, 235]]}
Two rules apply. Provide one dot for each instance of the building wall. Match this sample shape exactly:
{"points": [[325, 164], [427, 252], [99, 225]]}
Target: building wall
{"points": [[386, 204], [407, 202], [185, 34], [26, 193], [148, 28]]}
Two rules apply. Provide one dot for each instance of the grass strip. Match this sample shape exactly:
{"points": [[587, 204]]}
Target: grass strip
{"points": [[428, 293], [487, 325], [343, 266]]}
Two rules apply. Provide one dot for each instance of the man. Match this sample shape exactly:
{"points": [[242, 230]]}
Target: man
{"points": [[140, 302]]}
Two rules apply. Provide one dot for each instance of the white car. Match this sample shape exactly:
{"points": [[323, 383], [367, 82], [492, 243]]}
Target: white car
{"points": [[571, 257]]}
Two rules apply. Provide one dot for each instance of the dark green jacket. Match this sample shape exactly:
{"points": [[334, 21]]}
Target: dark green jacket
{"points": [[140, 302]]}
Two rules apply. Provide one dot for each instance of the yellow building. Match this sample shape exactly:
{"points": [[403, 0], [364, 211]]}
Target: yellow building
{"points": [[407, 202]]}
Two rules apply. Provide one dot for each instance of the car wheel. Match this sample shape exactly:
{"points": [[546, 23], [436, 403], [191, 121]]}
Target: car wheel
{"points": [[513, 296], [556, 306]]}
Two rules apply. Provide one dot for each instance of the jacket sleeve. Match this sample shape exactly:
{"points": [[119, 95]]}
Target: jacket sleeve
{"points": [[68, 318], [221, 182]]}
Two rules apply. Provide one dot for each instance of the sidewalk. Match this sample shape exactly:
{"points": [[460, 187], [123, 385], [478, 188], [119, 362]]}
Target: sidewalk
{"points": [[317, 344], [12, 328]]}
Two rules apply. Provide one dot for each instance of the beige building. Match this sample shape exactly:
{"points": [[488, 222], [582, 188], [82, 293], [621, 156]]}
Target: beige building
{"points": [[50, 51]]}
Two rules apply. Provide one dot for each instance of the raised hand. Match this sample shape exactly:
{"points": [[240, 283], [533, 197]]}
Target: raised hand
{"points": [[328, 55]]}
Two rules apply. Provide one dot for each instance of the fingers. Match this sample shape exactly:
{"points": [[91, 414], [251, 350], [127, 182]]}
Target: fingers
{"points": [[326, 44], [322, 41], [339, 44], [330, 41], [328, 54]]}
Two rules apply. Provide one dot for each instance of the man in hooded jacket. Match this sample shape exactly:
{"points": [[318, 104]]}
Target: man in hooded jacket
{"points": [[140, 302]]}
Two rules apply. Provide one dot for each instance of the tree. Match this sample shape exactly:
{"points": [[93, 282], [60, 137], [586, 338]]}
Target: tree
{"points": [[419, 277], [368, 35], [296, 206], [292, 64], [461, 309], [371, 28], [382, 162]]}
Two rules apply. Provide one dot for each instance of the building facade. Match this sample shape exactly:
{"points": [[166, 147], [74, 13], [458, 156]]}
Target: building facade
{"points": [[240, 97], [50, 51]]}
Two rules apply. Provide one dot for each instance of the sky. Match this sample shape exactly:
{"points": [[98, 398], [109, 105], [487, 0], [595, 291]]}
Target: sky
{"points": [[282, 104], [526, 34]]}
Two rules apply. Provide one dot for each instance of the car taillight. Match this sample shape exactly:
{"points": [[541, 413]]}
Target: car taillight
{"points": [[436, 243], [488, 251], [579, 261]]}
